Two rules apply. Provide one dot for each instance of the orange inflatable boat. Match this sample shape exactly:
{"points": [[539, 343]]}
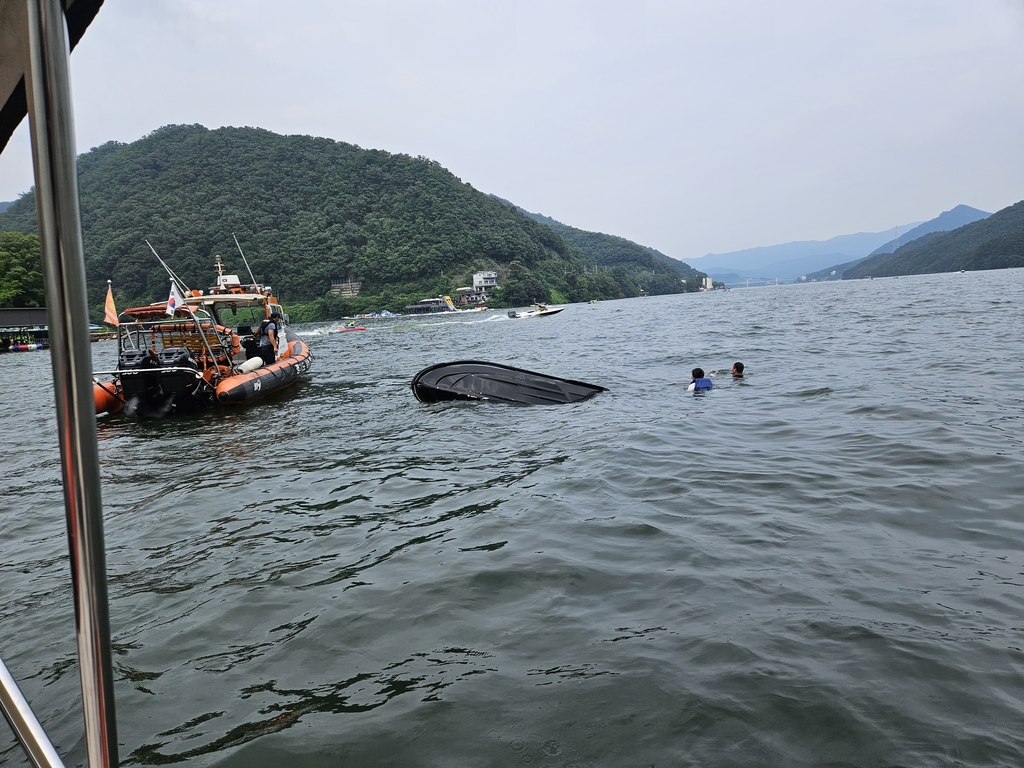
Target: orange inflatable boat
{"points": [[185, 355]]}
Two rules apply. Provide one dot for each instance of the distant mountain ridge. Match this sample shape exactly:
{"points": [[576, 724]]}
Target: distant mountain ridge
{"points": [[791, 260], [812, 261], [995, 242], [944, 222], [5, 205]]}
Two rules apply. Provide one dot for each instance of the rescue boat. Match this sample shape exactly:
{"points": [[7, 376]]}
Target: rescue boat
{"points": [[199, 357]]}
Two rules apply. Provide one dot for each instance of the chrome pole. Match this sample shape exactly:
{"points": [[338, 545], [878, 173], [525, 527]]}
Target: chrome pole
{"points": [[24, 724], [60, 239]]}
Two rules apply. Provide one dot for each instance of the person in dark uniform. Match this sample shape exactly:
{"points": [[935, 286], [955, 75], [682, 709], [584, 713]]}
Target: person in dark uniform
{"points": [[268, 337]]}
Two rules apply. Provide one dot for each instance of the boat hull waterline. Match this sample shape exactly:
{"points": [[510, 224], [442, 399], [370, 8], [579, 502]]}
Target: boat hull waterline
{"points": [[480, 380]]}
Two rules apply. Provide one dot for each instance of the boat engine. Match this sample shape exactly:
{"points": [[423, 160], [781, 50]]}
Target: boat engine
{"points": [[177, 380], [139, 377]]}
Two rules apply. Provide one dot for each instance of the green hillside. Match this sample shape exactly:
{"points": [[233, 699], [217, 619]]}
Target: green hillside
{"points": [[308, 212], [652, 270], [992, 243], [21, 278]]}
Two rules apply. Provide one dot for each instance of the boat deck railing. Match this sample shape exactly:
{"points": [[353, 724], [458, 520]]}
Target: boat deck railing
{"points": [[199, 334]]}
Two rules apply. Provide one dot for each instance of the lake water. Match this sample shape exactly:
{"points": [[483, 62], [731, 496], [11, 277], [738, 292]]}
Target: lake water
{"points": [[817, 565]]}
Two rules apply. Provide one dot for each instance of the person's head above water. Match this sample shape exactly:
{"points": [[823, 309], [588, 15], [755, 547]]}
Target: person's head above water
{"points": [[737, 370], [700, 383]]}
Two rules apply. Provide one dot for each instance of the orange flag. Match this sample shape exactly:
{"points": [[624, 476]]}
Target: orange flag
{"points": [[109, 312]]}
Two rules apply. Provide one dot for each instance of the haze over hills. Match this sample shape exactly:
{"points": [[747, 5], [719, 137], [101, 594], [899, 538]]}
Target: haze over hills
{"points": [[944, 222], [788, 261], [816, 260], [310, 212], [5, 205], [995, 242]]}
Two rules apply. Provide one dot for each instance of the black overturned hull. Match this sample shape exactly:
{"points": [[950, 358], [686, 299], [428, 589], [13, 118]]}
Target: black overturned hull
{"points": [[478, 380]]}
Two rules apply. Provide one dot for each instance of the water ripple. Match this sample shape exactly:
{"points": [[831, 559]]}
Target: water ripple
{"points": [[816, 565]]}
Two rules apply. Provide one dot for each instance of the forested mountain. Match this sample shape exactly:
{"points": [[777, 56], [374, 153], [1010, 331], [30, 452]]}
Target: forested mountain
{"points": [[996, 242], [944, 222], [5, 205], [656, 272], [308, 212], [21, 278]]}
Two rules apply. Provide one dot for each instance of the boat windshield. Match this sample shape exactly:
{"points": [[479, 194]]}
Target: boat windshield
{"points": [[246, 319]]}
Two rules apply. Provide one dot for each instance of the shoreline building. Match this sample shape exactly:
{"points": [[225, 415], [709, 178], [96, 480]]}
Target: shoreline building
{"points": [[484, 285]]}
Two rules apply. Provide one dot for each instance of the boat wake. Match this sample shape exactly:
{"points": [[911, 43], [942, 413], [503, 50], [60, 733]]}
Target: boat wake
{"points": [[490, 319]]}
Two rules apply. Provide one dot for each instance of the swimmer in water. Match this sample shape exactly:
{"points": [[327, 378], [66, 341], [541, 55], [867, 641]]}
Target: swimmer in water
{"points": [[737, 370], [698, 383]]}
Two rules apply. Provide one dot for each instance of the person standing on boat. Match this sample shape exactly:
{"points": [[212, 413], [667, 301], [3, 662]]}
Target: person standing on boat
{"points": [[268, 338]]}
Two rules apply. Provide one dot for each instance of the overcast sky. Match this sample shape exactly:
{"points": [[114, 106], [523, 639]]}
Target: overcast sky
{"points": [[686, 126]]}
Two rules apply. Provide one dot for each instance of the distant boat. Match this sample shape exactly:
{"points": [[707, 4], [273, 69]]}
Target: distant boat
{"points": [[539, 310]]}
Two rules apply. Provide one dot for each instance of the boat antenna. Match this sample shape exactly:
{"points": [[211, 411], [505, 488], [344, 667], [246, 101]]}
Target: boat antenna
{"points": [[245, 260], [181, 283]]}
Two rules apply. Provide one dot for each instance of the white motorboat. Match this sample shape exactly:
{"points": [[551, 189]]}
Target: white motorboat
{"points": [[537, 310]]}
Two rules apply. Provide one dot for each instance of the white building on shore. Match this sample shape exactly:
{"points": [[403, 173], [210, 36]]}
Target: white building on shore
{"points": [[484, 286]]}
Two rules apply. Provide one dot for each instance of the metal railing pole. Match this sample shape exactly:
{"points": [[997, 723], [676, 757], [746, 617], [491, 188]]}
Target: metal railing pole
{"points": [[60, 238], [24, 724]]}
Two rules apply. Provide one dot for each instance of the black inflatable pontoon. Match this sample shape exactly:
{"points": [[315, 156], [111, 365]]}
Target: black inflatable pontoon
{"points": [[478, 380]]}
